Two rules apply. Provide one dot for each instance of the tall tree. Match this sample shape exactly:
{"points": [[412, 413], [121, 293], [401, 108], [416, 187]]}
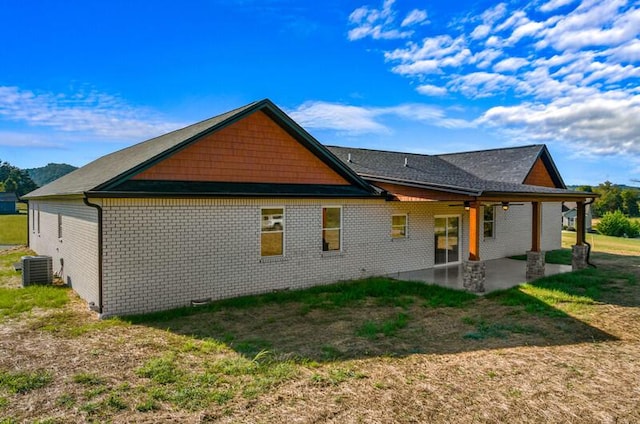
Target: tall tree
{"points": [[15, 180], [610, 199], [630, 202]]}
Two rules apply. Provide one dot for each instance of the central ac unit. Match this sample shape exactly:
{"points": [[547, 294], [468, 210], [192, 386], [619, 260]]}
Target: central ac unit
{"points": [[37, 270]]}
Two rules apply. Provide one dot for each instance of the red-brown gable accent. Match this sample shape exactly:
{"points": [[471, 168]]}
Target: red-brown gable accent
{"points": [[539, 175], [415, 194], [252, 150]]}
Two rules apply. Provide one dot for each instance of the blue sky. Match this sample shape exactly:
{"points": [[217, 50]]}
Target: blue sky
{"points": [[79, 79]]}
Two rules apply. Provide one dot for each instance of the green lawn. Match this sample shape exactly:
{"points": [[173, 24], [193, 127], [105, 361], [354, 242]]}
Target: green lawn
{"points": [[13, 229], [600, 243]]}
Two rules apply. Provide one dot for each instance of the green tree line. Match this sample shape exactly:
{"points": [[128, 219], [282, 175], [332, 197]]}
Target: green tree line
{"points": [[614, 198]]}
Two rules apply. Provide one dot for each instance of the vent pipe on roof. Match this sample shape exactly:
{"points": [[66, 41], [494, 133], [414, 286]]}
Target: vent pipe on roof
{"points": [[406, 162], [349, 158]]}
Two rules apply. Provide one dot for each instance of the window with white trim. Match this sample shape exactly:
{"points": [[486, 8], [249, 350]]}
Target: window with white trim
{"points": [[489, 218], [331, 228], [272, 232], [59, 225], [398, 226]]}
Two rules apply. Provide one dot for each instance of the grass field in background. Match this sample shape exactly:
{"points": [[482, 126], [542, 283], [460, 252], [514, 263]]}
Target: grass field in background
{"points": [[13, 229], [600, 243]]}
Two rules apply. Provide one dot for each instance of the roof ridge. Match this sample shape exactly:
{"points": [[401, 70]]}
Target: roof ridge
{"points": [[491, 150], [380, 151]]}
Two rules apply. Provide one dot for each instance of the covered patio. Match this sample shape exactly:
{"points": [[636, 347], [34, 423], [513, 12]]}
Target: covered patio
{"points": [[500, 274]]}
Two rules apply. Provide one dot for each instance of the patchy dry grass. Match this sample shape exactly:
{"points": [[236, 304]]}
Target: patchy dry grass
{"points": [[564, 349]]}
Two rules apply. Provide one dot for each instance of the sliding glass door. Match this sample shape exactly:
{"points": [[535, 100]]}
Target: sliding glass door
{"points": [[447, 236]]}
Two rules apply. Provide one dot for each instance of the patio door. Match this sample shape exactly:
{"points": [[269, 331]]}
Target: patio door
{"points": [[447, 237]]}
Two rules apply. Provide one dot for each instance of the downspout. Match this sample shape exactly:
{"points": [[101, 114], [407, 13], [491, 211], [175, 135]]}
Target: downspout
{"points": [[28, 225], [97, 308], [584, 234]]}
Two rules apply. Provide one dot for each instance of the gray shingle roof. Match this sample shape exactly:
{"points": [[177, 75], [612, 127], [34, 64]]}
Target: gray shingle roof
{"points": [[473, 173], [511, 165]]}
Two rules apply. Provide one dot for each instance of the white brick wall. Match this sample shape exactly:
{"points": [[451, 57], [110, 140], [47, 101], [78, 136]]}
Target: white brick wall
{"points": [[162, 253], [78, 246], [513, 231]]}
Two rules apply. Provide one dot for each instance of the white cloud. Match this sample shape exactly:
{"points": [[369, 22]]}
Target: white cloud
{"points": [[510, 64], [375, 23], [593, 24], [603, 124], [495, 13], [485, 58], [482, 84], [97, 114], [366, 120], [554, 4], [22, 139], [434, 54], [627, 52], [431, 90], [481, 31], [525, 29], [571, 65], [333, 116], [416, 16]]}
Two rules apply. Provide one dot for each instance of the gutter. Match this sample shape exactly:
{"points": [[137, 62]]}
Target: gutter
{"points": [[97, 308]]}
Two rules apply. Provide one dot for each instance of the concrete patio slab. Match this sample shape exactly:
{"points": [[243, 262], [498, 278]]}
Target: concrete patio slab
{"points": [[501, 274]]}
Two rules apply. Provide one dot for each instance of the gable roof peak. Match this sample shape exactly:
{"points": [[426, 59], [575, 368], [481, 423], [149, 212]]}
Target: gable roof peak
{"points": [[112, 169]]}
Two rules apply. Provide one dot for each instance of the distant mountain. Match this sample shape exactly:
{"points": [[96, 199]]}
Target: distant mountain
{"points": [[620, 186], [52, 171]]}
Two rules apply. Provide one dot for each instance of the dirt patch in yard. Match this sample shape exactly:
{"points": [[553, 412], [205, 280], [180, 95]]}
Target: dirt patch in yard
{"points": [[369, 361]]}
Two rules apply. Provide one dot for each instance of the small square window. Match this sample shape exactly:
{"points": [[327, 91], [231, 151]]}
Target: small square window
{"points": [[398, 226]]}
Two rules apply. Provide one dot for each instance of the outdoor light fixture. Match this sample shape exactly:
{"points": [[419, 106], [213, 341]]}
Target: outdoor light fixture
{"points": [[505, 206], [467, 205]]}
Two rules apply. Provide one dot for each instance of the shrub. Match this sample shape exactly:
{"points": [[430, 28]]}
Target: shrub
{"points": [[618, 225]]}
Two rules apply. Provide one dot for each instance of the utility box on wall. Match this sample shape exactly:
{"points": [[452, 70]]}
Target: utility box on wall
{"points": [[37, 270]]}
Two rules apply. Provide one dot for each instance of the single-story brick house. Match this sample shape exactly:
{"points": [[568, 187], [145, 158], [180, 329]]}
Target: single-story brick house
{"points": [[249, 202]]}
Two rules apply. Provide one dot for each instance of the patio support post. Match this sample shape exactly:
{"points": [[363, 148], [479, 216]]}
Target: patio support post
{"points": [[535, 257], [474, 231], [474, 270], [580, 224], [580, 250]]}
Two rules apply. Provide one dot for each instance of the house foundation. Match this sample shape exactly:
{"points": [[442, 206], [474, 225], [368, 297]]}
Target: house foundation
{"points": [[474, 275], [535, 265], [579, 254]]}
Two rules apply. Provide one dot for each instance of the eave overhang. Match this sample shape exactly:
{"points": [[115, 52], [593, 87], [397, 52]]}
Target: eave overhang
{"points": [[419, 184]]}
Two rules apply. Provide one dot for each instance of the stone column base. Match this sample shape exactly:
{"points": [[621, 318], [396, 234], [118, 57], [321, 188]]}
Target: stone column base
{"points": [[535, 265], [579, 256], [474, 275]]}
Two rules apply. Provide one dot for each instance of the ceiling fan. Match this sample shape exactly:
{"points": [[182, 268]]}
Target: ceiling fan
{"points": [[505, 205]]}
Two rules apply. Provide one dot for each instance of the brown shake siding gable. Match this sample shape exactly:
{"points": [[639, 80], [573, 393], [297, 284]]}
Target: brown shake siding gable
{"points": [[254, 149]]}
